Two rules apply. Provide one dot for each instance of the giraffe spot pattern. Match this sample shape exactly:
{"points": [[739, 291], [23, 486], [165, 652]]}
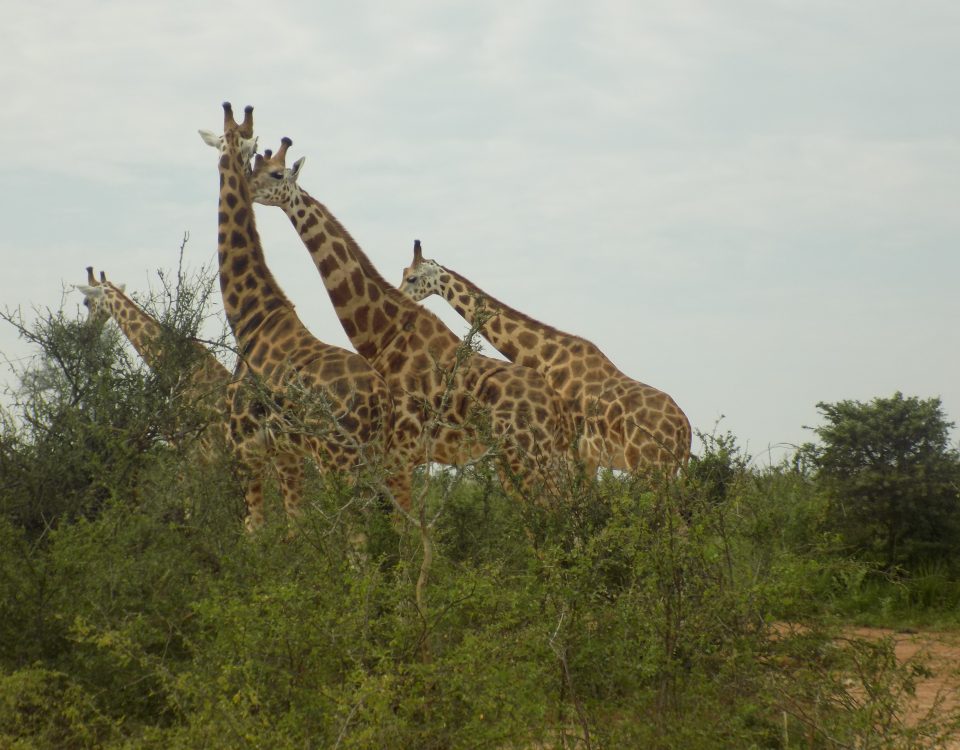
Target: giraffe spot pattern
{"points": [[281, 353]]}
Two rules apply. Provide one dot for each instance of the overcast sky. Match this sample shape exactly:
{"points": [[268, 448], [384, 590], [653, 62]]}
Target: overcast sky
{"points": [[752, 205]]}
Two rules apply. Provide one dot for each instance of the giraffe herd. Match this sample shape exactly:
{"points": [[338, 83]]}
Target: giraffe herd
{"points": [[412, 393]]}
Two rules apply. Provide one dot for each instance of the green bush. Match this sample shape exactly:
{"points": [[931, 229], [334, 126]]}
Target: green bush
{"points": [[626, 612], [43, 708], [893, 478]]}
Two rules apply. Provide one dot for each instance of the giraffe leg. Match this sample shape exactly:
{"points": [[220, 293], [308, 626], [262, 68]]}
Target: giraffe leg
{"points": [[289, 467], [398, 482], [251, 477], [250, 462]]}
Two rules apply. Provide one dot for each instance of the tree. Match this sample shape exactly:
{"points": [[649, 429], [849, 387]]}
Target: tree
{"points": [[87, 416], [892, 476], [75, 428]]}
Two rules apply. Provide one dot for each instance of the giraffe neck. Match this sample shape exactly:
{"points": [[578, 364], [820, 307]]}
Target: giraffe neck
{"points": [[374, 314], [146, 334], [142, 330], [250, 292], [518, 337]]}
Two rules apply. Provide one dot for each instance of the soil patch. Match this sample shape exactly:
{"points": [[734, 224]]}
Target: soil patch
{"points": [[939, 651]]}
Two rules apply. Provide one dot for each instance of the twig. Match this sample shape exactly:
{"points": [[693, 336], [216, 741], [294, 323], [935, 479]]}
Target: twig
{"points": [[346, 723], [568, 678]]}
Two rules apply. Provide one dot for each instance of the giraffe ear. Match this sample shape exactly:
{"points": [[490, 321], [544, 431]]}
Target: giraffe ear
{"points": [[295, 169], [211, 139], [89, 291]]}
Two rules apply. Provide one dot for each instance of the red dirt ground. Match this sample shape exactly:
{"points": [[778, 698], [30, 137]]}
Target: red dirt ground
{"points": [[940, 652]]}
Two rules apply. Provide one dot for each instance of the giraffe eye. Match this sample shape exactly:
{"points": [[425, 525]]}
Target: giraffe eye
{"points": [[411, 279], [277, 175]]}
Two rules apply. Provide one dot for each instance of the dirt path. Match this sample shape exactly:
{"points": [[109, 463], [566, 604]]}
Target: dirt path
{"points": [[940, 651]]}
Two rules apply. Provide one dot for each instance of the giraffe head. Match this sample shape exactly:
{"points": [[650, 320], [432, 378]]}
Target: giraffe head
{"points": [[94, 294], [422, 277], [242, 133], [271, 181]]}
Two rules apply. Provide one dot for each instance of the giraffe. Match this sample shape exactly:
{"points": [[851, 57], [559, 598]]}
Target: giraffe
{"points": [[625, 424], [437, 391], [203, 389], [302, 397]]}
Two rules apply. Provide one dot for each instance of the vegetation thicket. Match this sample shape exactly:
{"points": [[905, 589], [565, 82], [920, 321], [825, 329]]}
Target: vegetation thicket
{"points": [[697, 611]]}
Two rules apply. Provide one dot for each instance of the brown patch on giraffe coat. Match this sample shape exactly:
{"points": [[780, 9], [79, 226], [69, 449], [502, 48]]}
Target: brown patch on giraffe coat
{"points": [[340, 294], [331, 370], [537, 396], [529, 360], [595, 363], [327, 265], [509, 350], [362, 317], [425, 327], [379, 322], [358, 280], [650, 452], [250, 324], [357, 364], [527, 340], [309, 223], [260, 354], [420, 361], [414, 343], [396, 360], [367, 350], [514, 388]]}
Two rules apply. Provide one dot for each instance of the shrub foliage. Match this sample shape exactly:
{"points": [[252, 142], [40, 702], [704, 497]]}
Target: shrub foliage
{"points": [[893, 478], [625, 612]]}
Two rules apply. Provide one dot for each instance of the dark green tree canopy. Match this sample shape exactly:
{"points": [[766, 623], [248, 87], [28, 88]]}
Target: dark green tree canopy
{"points": [[893, 475]]}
